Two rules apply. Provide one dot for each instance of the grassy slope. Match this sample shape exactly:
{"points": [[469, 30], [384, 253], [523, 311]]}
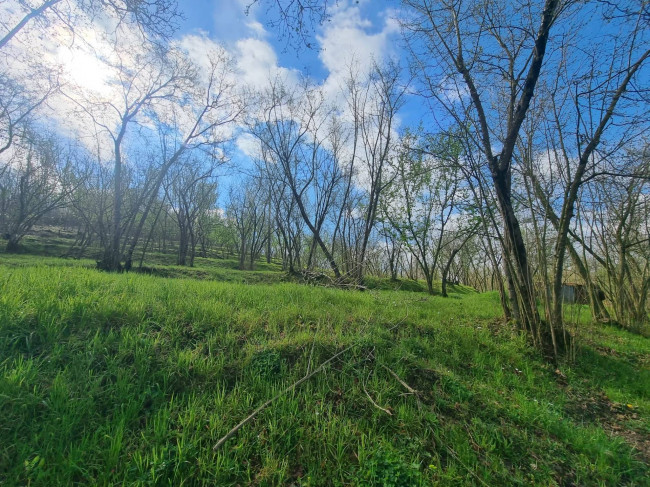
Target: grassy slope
{"points": [[120, 379]]}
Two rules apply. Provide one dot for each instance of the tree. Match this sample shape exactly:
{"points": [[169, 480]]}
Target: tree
{"points": [[154, 17], [284, 216], [163, 89], [41, 177], [290, 130], [393, 245], [476, 44], [201, 123], [17, 106], [142, 80], [621, 233], [422, 200], [599, 102], [246, 210], [375, 104], [191, 190], [23, 91]]}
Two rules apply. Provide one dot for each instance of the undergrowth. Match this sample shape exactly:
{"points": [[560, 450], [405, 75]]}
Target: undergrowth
{"points": [[131, 379]]}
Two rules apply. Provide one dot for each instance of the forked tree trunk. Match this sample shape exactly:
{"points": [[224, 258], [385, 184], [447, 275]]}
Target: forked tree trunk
{"points": [[522, 292]]}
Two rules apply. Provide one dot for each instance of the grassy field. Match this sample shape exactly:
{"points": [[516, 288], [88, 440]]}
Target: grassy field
{"points": [[121, 379]]}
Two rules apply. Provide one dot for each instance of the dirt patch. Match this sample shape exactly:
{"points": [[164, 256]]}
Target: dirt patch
{"points": [[615, 418], [635, 359], [424, 381]]}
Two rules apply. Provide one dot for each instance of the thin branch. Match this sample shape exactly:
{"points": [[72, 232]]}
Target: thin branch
{"points": [[250, 417]]}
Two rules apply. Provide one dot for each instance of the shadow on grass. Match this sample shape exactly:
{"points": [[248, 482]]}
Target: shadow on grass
{"points": [[605, 369], [411, 285]]}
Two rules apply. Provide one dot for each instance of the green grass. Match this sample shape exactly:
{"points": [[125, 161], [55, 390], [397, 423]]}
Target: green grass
{"points": [[130, 379], [224, 270], [412, 285]]}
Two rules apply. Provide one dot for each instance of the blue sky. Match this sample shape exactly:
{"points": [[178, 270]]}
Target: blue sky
{"points": [[363, 27], [364, 30]]}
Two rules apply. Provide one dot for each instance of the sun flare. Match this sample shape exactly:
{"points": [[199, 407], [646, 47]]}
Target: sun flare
{"points": [[84, 70]]}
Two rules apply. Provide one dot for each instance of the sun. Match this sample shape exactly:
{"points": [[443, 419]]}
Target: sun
{"points": [[84, 70]]}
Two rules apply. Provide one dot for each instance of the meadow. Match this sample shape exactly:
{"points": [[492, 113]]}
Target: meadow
{"points": [[132, 379]]}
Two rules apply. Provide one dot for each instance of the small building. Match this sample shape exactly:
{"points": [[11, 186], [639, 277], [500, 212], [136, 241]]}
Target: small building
{"points": [[573, 293]]}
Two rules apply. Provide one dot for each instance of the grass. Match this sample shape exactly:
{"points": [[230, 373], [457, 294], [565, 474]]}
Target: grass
{"points": [[412, 285], [130, 379]]}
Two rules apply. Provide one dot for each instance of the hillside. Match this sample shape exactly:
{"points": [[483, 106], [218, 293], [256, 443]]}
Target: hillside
{"points": [[121, 379]]}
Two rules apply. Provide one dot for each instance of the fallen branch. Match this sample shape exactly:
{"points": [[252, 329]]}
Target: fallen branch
{"points": [[243, 423], [451, 451], [457, 458], [372, 400], [322, 279], [375, 404], [397, 377]]}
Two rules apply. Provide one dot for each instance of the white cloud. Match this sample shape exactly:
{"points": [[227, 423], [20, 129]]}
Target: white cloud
{"points": [[84, 61], [198, 46], [257, 63], [257, 28], [348, 39], [248, 145]]}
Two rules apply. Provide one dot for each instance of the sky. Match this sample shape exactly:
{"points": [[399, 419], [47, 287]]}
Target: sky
{"points": [[364, 28], [361, 30], [356, 30]]}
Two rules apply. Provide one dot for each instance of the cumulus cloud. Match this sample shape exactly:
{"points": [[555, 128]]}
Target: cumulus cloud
{"points": [[198, 47], [257, 63], [248, 145], [350, 40], [86, 63]]}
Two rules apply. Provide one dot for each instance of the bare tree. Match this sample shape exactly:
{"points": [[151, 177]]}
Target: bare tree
{"points": [[595, 101], [381, 99], [163, 89], [246, 210], [290, 129], [41, 177], [18, 104], [284, 215], [24, 91], [142, 82], [294, 19], [421, 202], [208, 112], [477, 44], [192, 192], [154, 17], [616, 237]]}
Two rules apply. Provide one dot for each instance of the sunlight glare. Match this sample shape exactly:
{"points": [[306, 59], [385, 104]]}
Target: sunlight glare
{"points": [[84, 70]]}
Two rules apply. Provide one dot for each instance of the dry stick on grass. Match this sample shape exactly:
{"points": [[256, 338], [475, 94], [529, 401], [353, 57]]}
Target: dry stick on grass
{"points": [[451, 451], [309, 375], [457, 458], [322, 366], [406, 386], [371, 399]]}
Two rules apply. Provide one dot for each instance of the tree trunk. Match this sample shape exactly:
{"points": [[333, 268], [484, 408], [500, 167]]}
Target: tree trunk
{"points": [[32, 14], [445, 272], [516, 259], [112, 257], [13, 244]]}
